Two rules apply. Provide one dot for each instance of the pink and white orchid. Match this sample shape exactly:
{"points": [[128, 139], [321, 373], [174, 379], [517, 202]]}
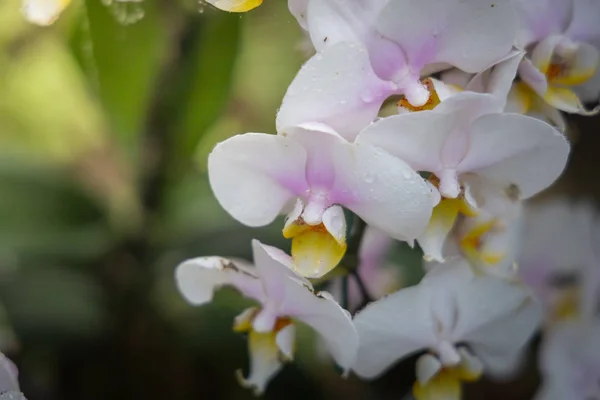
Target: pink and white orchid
{"points": [[311, 172], [562, 38], [468, 146], [404, 39], [459, 319], [283, 297]]}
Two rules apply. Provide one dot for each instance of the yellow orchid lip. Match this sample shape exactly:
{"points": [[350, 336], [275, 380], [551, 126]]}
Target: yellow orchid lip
{"points": [[314, 250], [446, 384]]}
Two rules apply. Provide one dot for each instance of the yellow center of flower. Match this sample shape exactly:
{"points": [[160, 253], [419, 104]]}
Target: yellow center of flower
{"points": [[567, 306], [446, 384], [314, 250], [472, 244], [431, 103]]}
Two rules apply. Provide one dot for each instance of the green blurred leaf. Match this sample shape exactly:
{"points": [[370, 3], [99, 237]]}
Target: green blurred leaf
{"points": [[45, 214], [206, 81], [54, 302], [127, 60]]}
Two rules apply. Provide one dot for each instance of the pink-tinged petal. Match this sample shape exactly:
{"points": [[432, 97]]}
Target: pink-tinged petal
{"points": [[298, 10], [338, 87], [197, 279], [584, 25], [9, 375], [393, 328], [513, 149], [533, 77], [502, 353], [431, 140], [381, 189], [322, 313], [334, 21], [253, 176], [541, 18], [274, 266], [470, 35]]}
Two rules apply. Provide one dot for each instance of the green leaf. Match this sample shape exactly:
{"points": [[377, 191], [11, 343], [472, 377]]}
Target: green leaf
{"points": [[127, 60], [206, 80]]}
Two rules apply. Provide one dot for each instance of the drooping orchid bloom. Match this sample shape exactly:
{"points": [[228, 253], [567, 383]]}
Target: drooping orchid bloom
{"points": [[43, 12], [459, 319], [310, 172], [405, 39], [283, 297], [467, 145], [562, 38]]}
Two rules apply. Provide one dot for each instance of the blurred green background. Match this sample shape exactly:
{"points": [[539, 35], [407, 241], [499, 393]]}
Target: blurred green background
{"points": [[106, 121]]}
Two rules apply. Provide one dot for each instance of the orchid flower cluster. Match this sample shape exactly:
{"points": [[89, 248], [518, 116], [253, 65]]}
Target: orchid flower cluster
{"points": [[428, 127]]}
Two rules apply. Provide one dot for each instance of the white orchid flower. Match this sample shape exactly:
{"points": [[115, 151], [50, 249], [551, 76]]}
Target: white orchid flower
{"points": [[405, 38], [283, 297], [43, 12], [563, 42], [460, 321], [570, 361], [467, 145], [255, 176]]}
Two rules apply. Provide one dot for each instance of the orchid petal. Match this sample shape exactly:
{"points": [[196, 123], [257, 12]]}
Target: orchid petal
{"points": [[286, 341], [541, 18], [422, 138], [375, 196], [197, 279], [470, 35], [322, 313], [393, 328], [516, 150], [255, 175], [584, 25], [274, 267], [485, 304], [498, 79], [533, 77], [338, 87], [427, 367], [502, 353], [264, 361]]}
